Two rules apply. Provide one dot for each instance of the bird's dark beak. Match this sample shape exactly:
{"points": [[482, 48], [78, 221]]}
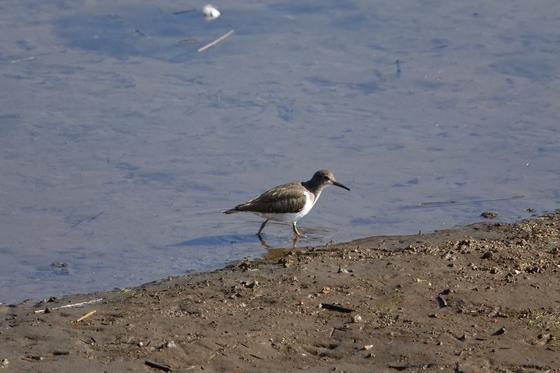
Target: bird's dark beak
{"points": [[340, 185]]}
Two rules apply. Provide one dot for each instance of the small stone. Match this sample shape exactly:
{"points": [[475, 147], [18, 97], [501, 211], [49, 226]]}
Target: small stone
{"points": [[500, 331], [489, 215], [356, 319]]}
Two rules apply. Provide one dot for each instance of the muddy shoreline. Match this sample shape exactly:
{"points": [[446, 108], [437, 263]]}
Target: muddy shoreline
{"points": [[480, 298]]}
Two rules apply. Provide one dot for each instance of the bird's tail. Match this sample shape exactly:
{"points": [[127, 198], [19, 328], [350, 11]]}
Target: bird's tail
{"points": [[232, 211]]}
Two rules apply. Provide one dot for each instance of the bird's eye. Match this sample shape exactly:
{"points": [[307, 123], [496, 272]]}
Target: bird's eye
{"points": [[325, 177]]}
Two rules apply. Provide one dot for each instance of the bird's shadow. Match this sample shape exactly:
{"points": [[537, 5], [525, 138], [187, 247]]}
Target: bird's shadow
{"points": [[226, 239]]}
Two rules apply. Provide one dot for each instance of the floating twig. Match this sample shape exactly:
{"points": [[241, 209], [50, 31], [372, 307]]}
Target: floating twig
{"points": [[184, 11], [436, 203], [188, 41], [86, 316], [469, 202], [216, 41], [158, 366], [92, 218], [23, 59]]}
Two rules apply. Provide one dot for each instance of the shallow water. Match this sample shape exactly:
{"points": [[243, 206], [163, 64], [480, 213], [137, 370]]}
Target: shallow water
{"points": [[121, 145]]}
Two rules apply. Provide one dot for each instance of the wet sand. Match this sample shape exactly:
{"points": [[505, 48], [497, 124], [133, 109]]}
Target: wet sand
{"points": [[480, 298]]}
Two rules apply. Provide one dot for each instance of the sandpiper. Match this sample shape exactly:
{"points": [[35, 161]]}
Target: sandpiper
{"points": [[288, 202]]}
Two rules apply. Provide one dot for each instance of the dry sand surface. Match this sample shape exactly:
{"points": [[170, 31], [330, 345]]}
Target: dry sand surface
{"points": [[481, 298]]}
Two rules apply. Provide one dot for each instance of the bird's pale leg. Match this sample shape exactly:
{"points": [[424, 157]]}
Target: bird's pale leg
{"points": [[295, 230], [262, 226]]}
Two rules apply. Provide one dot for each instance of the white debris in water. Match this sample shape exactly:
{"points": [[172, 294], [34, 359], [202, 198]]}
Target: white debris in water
{"points": [[210, 12]]}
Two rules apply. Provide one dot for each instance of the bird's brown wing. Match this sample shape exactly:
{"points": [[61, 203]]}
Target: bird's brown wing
{"points": [[281, 199]]}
